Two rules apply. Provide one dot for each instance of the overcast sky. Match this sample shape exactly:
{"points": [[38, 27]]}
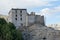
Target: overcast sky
{"points": [[49, 8]]}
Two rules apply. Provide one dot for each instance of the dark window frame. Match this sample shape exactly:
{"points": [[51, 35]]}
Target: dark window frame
{"points": [[21, 19], [20, 11], [20, 15], [21, 24], [44, 38], [15, 18], [16, 15]]}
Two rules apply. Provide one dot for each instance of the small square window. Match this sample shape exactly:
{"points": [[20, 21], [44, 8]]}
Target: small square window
{"points": [[20, 15], [20, 11], [21, 19], [44, 38], [15, 18], [21, 24], [16, 15]]}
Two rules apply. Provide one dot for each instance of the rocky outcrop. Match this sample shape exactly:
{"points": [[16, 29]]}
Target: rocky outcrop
{"points": [[39, 32]]}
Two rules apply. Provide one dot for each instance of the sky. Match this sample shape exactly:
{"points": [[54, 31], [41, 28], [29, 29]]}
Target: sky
{"points": [[49, 8]]}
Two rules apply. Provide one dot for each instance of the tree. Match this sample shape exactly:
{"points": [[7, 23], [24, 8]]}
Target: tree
{"points": [[8, 31], [19, 35], [2, 21]]}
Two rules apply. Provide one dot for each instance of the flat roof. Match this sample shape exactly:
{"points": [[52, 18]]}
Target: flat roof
{"points": [[18, 9]]}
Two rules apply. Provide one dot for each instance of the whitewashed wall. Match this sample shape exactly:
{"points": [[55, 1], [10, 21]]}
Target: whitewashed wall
{"points": [[12, 16]]}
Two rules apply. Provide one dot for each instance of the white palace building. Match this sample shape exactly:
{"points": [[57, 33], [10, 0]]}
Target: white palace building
{"points": [[31, 25], [20, 17]]}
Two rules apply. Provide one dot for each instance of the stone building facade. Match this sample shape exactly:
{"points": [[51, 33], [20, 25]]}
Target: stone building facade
{"points": [[32, 25], [20, 17]]}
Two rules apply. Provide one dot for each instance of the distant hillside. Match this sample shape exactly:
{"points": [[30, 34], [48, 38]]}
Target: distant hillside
{"points": [[55, 26]]}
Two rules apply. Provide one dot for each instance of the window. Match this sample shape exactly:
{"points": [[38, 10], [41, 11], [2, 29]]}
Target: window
{"points": [[21, 19], [21, 24], [15, 18], [16, 15], [44, 38], [20, 15], [20, 11]]}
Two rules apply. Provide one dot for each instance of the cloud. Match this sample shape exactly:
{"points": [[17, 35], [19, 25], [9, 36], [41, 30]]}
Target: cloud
{"points": [[50, 11], [23, 3], [45, 11], [32, 3], [6, 5]]}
